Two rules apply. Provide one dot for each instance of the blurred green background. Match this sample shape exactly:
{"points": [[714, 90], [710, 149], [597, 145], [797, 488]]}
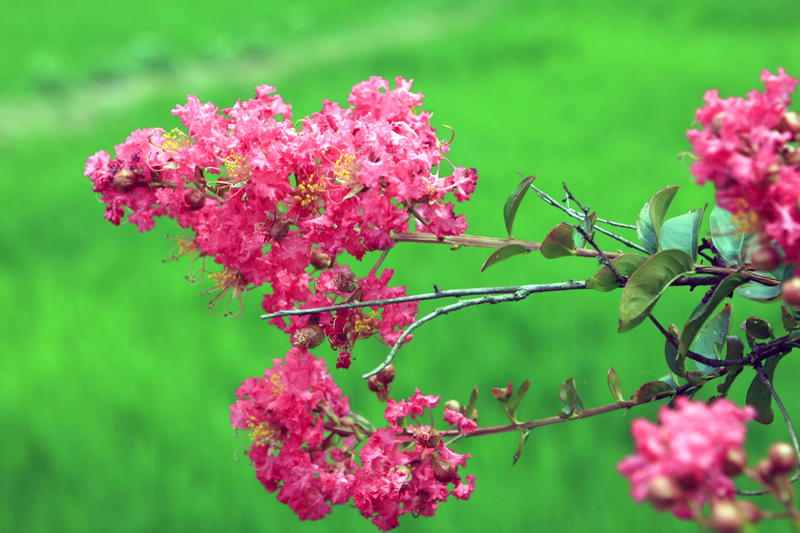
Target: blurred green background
{"points": [[115, 381]]}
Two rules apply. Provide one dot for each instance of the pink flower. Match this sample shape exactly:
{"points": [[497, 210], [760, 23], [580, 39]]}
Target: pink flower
{"points": [[689, 445]]}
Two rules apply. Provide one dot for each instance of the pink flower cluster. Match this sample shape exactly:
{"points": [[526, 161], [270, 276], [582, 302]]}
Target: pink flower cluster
{"points": [[688, 450], [748, 149], [275, 202], [304, 438]]}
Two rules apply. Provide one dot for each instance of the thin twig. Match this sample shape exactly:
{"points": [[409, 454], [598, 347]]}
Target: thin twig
{"points": [[765, 380], [520, 294], [571, 197], [452, 293], [574, 214], [603, 257]]}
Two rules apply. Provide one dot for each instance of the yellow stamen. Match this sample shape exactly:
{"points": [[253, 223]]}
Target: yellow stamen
{"points": [[238, 168], [175, 140]]}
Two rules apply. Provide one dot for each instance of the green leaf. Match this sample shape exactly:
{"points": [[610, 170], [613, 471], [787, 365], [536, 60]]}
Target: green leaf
{"points": [[650, 390], [726, 237], [587, 225], [559, 242], [513, 405], [703, 311], [789, 321], [614, 385], [512, 203], [758, 328], [735, 351], [473, 397], [713, 332], [765, 293], [682, 232], [501, 254], [758, 394], [651, 217], [572, 400], [647, 283], [676, 364], [605, 280]]}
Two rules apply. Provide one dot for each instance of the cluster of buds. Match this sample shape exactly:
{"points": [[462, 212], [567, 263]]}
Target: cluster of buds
{"points": [[379, 383]]}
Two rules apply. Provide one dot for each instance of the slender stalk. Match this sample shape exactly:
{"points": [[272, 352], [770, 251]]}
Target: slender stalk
{"points": [[520, 294]]}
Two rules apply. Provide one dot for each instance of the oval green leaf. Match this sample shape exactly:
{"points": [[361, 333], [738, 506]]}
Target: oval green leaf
{"points": [[651, 217], [713, 332], [647, 283], [758, 394], [614, 385], [650, 390], [501, 254], [682, 232], [725, 236], [559, 242], [703, 311], [512, 203]]}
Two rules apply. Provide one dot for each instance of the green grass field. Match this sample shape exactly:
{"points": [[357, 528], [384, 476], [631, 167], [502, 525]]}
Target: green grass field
{"points": [[115, 381]]}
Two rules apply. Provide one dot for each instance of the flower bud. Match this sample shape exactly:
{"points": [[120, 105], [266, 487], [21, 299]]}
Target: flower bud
{"points": [[453, 405], [663, 492], [764, 470], [749, 511], [790, 122], [717, 122], [374, 385], [474, 416], [782, 457], [308, 337], [383, 395], [345, 281], [125, 180], [199, 177], [766, 259], [386, 375], [194, 198], [443, 470], [725, 517], [319, 259], [734, 463], [790, 291], [279, 229]]}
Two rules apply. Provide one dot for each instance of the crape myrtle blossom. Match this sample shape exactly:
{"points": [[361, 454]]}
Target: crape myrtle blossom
{"points": [[748, 149], [275, 202], [688, 450], [290, 415]]}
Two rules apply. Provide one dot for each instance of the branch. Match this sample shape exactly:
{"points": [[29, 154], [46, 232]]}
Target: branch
{"points": [[765, 380], [521, 293]]}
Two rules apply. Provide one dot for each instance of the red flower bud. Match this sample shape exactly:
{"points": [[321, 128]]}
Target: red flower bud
{"points": [[453, 405], [309, 337], [386, 375], [194, 198], [749, 511], [374, 385], [766, 258], [790, 291], [782, 457], [320, 260], [663, 492], [345, 281], [725, 517], [735, 462], [199, 177], [125, 180], [444, 471]]}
